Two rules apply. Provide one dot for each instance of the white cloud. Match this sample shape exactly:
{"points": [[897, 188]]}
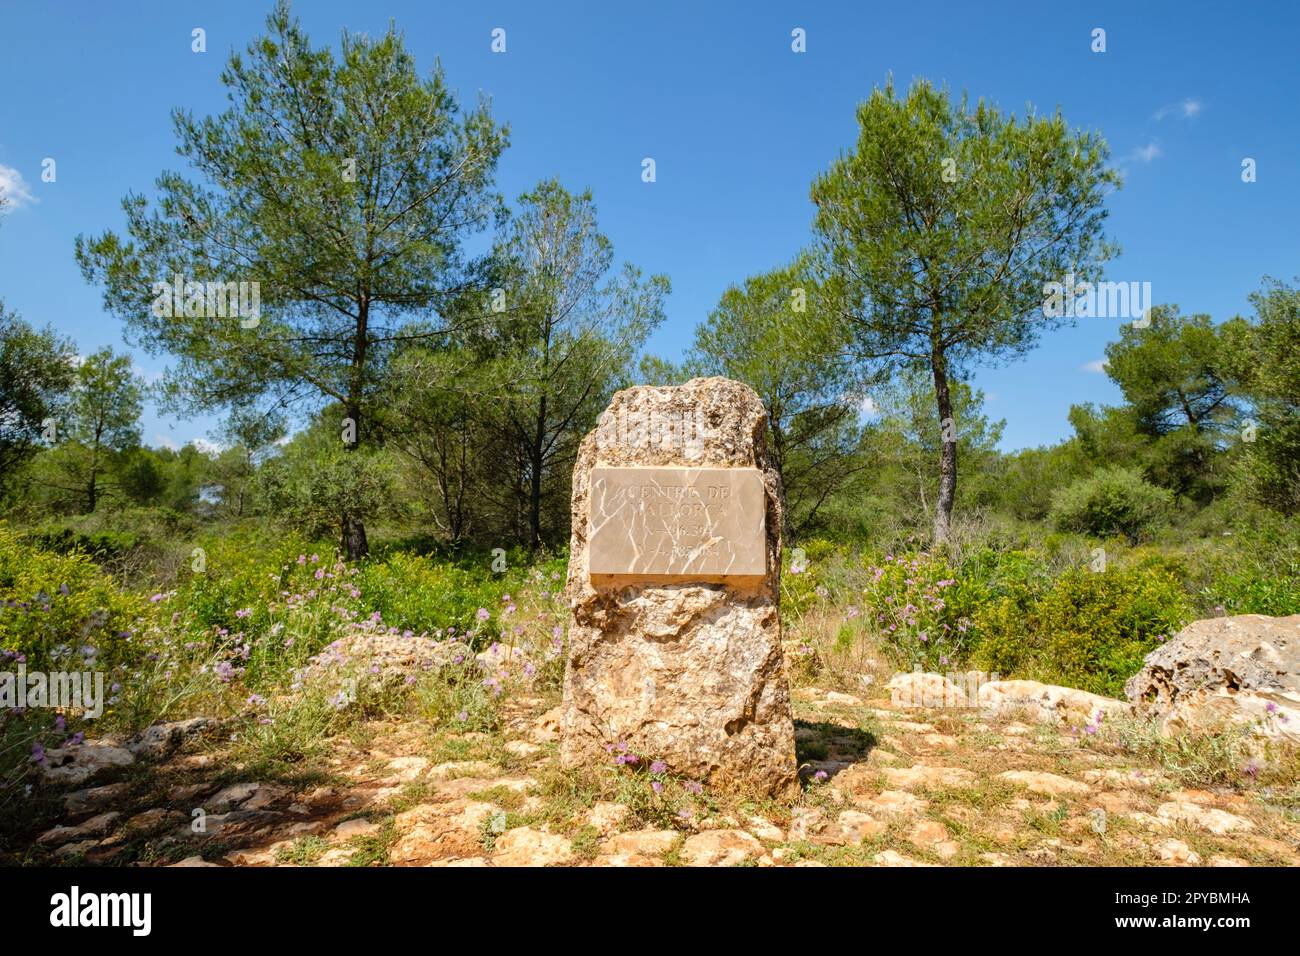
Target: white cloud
{"points": [[1096, 365], [208, 447], [14, 188], [162, 441], [1188, 109], [868, 406], [1146, 153]]}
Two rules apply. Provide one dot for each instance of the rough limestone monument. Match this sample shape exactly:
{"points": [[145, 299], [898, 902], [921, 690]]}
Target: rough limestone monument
{"points": [[674, 585]]}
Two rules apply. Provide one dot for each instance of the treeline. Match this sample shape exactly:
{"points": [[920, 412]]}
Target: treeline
{"points": [[430, 389]]}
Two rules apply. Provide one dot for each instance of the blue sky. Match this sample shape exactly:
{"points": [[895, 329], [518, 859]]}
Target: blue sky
{"points": [[737, 123]]}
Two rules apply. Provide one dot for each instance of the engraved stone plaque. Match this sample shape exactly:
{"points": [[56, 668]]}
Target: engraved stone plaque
{"points": [[699, 524]]}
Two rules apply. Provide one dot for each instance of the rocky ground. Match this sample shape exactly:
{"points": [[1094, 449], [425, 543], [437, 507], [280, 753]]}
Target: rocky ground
{"points": [[884, 785]]}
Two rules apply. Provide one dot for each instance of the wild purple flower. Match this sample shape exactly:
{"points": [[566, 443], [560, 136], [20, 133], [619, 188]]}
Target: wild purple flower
{"points": [[693, 786], [463, 716], [659, 767], [38, 753], [657, 787], [484, 614], [821, 776], [63, 589], [60, 723], [1270, 707]]}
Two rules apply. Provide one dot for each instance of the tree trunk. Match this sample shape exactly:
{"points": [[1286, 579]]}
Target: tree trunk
{"points": [[355, 546], [535, 486], [948, 452]]}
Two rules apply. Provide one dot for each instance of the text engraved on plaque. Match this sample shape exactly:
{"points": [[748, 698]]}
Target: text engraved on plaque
{"points": [[691, 523]]}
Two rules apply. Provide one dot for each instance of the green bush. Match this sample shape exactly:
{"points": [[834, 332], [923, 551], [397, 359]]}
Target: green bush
{"points": [[921, 608], [1088, 629], [62, 612], [1111, 502], [1255, 569]]}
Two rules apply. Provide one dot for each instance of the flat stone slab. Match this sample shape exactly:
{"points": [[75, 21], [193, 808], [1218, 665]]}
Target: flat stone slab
{"points": [[677, 524]]}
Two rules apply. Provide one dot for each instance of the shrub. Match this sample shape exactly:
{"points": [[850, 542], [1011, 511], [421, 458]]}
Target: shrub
{"points": [[921, 609], [1088, 629], [1111, 502], [61, 612], [1255, 570]]}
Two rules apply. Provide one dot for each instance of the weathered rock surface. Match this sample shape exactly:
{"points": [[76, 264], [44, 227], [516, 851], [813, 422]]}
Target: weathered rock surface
{"points": [[75, 765], [161, 740], [721, 848], [1048, 701], [526, 846], [687, 672], [1241, 669]]}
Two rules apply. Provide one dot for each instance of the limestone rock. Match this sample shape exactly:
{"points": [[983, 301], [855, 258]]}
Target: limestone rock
{"points": [[1240, 669], [858, 826], [907, 778], [606, 816], [94, 827], [1053, 785], [894, 858], [1217, 822], [651, 843], [689, 672], [160, 740], [151, 821], [351, 829], [526, 846], [82, 802], [1176, 851], [917, 689], [1048, 702], [898, 803], [75, 765], [721, 848]]}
